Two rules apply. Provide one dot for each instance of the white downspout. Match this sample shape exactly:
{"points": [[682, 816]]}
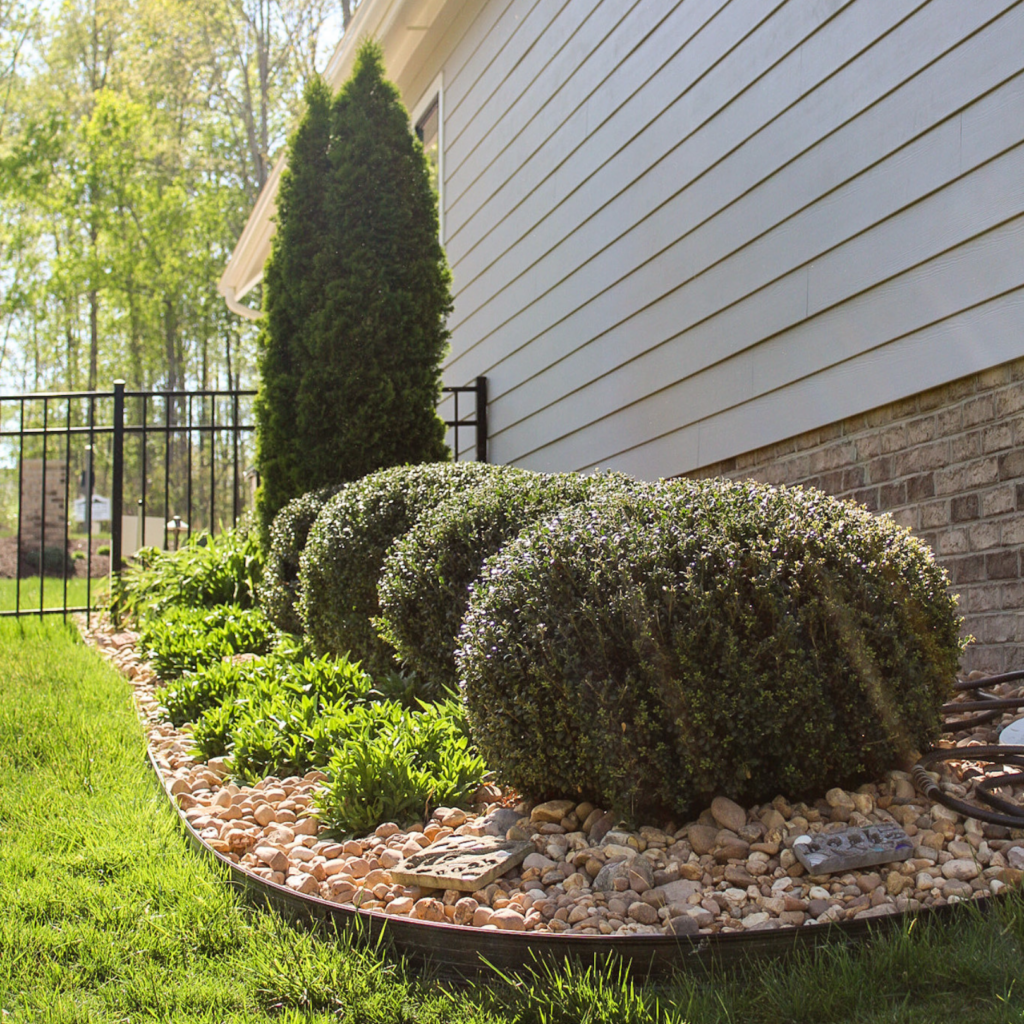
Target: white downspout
{"points": [[236, 307]]}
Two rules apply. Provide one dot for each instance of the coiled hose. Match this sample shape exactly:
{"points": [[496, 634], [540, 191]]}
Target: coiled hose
{"points": [[990, 707]]}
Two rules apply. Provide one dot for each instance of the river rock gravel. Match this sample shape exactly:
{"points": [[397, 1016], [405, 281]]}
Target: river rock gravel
{"points": [[732, 869]]}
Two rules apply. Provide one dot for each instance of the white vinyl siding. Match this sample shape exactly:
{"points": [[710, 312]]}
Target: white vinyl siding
{"points": [[683, 230]]}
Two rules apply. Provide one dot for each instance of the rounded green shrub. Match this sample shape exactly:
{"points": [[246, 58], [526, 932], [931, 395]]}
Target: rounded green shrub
{"points": [[424, 588], [279, 590], [669, 642], [345, 550], [51, 561]]}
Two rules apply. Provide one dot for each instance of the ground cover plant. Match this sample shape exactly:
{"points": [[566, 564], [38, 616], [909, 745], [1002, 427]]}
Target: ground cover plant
{"points": [[666, 643], [109, 916], [206, 571], [185, 639], [260, 700]]}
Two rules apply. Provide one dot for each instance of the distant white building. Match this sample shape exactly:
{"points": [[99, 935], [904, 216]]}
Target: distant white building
{"points": [[779, 239], [100, 509]]}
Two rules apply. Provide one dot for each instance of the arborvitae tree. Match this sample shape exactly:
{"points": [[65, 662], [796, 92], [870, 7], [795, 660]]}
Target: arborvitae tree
{"points": [[371, 375], [356, 295], [292, 293]]}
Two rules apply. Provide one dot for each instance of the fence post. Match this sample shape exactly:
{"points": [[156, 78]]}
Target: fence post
{"points": [[481, 419], [117, 484]]}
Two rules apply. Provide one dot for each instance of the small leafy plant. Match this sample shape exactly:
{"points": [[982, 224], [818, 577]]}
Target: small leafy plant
{"points": [[186, 639], [206, 572], [396, 764]]}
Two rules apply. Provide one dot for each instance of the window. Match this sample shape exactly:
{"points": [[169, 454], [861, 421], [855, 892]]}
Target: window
{"points": [[428, 122], [427, 132]]}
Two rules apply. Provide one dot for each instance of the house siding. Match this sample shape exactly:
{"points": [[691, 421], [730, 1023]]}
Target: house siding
{"points": [[683, 231]]}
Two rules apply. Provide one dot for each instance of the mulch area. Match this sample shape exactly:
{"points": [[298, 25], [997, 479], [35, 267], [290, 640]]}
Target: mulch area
{"points": [[9, 559]]}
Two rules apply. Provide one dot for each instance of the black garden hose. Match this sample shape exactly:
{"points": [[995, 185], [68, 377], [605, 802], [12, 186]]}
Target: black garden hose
{"points": [[995, 756]]}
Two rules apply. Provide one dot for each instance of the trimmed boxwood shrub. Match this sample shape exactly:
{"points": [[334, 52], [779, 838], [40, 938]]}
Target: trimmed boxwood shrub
{"points": [[670, 642], [279, 589], [424, 588], [345, 550]]}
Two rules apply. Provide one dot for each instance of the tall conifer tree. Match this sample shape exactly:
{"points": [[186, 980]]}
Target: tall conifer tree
{"points": [[362, 333], [291, 296]]}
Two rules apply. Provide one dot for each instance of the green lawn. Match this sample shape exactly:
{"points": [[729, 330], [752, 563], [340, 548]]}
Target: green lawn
{"points": [[106, 916], [53, 592]]}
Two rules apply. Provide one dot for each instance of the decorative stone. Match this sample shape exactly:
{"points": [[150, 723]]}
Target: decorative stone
{"points": [[461, 862], [551, 812], [499, 821], [728, 814], [602, 827], [678, 892], [962, 869], [272, 857], [643, 913], [303, 883], [852, 848], [629, 873], [702, 838], [539, 861], [508, 919], [453, 817], [428, 909]]}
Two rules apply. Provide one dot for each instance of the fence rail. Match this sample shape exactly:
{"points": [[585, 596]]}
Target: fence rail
{"points": [[186, 454]]}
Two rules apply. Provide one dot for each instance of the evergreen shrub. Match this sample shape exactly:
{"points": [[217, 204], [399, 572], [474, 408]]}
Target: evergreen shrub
{"points": [[357, 292], [424, 587], [346, 548], [666, 643], [278, 592], [51, 561], [292, 293]]}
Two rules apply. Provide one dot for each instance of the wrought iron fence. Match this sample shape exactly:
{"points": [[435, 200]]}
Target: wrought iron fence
{"points": [[89, 477]]}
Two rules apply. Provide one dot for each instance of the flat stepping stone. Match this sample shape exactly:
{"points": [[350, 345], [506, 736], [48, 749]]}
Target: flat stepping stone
{"points": [[467, 863], [829, 853]]}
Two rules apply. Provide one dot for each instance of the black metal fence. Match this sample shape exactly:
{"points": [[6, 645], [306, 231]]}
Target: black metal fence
{"points": [[90, 477]]}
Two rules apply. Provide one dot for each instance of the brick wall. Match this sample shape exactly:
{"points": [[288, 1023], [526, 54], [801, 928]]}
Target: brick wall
{"points": [[949, 465], [33, 503]]}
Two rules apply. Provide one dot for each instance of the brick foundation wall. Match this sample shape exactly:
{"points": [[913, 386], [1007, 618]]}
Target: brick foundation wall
{"points": [[949, 465]]}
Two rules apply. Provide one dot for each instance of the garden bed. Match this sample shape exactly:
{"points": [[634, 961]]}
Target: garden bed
{"points": [[707, 889]]}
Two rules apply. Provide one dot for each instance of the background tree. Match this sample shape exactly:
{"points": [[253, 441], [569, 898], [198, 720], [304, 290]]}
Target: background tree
{"points": [[134, 137], [367, 353]]}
